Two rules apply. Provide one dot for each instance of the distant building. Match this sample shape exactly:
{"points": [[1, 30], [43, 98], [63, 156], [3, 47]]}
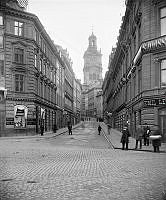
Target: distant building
{"points": [[92, 62], [134, 87], [77, 89], [92, 79]]}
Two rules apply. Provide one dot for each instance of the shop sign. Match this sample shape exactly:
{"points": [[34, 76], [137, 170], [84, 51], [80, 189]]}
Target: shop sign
{"points": [[154, 102], [154, 44], [9, 121]]}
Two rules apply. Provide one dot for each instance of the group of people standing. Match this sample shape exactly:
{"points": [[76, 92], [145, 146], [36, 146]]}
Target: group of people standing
{"points": [[142, 134]]}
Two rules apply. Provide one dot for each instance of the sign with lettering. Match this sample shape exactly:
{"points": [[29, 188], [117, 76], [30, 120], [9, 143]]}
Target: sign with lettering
{"points": [[9, 121], [154, 44], [154, 102]]}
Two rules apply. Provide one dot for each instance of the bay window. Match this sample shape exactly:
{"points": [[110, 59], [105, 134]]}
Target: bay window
{"points": [[163, 21], [163, 73]]}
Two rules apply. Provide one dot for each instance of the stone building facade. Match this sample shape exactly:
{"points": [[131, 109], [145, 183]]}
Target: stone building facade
{"points": [[135, 85], [32, 74]]}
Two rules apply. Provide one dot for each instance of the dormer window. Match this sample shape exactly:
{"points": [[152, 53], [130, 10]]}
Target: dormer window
{"points": [[18, 28]]}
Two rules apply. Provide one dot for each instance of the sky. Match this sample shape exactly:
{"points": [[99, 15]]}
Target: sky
{"points": [[70, 22]]}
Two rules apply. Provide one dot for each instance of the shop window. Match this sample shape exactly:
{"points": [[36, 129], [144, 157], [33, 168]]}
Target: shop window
{"points": [[19, 83], [163, 21], [18, 28], [163, 73], [19, 55]]}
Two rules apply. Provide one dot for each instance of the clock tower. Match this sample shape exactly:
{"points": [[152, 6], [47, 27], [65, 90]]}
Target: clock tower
{"points": [[92, 62]]}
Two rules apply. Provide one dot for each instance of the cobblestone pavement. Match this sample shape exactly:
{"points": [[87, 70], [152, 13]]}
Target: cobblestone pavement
{"points": [[81, 166]]}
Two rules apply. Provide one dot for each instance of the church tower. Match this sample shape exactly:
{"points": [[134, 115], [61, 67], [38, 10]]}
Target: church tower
{"points": [[92, 62]]}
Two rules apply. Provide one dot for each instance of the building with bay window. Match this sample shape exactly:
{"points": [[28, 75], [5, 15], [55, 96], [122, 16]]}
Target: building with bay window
{"points": [[134, 87], [29, 63]]}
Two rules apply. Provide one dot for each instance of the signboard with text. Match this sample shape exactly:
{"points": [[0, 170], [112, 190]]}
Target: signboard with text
{"points": [[154, 102]]}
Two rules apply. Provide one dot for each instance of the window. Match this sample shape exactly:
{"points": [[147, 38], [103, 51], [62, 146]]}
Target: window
{"points": [[163, 21], [139, 80], [1, 39], [44, 69], [1, 20], [19, 83], [35, 35], [2, 68], [40, 65], [18, 28], [163, 73], [19, 55], [41, 89], [35, 58], [35, 61]]}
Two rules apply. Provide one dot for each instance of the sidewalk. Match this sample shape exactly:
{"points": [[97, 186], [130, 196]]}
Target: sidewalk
{"points": [[115, 137], [45, 135]]}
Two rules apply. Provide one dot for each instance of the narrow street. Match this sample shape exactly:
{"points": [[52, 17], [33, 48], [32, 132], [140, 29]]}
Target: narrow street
{"points": [[81, 166]]}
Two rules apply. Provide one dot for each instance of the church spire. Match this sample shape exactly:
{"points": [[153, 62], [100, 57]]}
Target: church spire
{"points": [[92, 41]]}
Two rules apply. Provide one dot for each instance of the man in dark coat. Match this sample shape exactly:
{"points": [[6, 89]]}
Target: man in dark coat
{"points": [[156, 142], [70, 128], [99, 129], [139, 135], [146, 135], [41, 129], [125, 138]]}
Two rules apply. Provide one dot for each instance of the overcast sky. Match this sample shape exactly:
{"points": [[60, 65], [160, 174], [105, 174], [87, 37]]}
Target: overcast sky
{"points": [[69, 23]]}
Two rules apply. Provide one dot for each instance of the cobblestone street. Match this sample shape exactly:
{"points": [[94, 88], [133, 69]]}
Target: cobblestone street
{"points": [[81, 166]]}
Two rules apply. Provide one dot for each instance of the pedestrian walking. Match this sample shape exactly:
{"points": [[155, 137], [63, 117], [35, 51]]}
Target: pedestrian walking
{"points": [[99, 129], [146, 135], [55, 128], [41, 129], [70, 128], [125, 137], [156, 139], [139, 136]]}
